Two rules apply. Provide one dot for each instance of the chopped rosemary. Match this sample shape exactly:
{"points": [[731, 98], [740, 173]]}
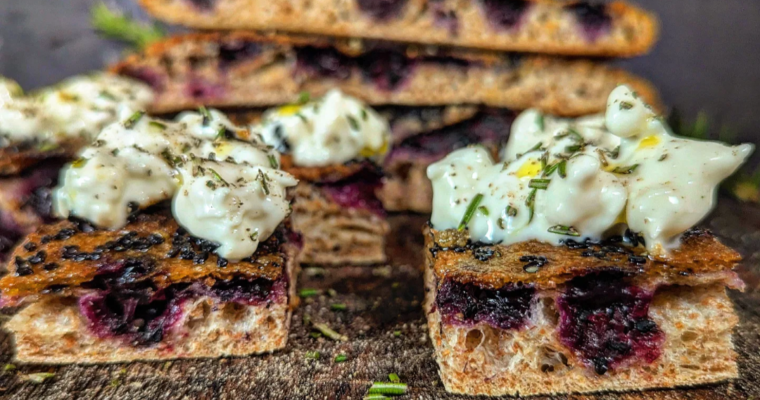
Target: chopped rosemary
{"points": [[121, 27], [663, 157], [353, 122], [47, 146], [206, 114], [364, 114], [221, 134], [530, 202], [391, 388], [540, 122], [255, 236], [394, 378], [614, 153], [544, 160], [502, 223], [375, 397], [157, 124], [315, 335], [40, 377], [511, 211], [562, 169], [574, 148], [133, 119], [539, 183], [303, 97], [397, 333], [309, 292], [338, 307], [219, 177], [9, 367], [470, 211], [325, 330], [483, 210], [625, 170], [340, 358], [312, 355], [624, 105], [534, 148], [264, 182], [602, 158], [273, 161], [78, 163], [106, 95], [564, 230]]}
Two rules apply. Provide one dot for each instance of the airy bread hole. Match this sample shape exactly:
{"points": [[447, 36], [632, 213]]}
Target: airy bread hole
{"points": [[198, 315], [473, 339], [552, 360], [233, 311], [550, 310], [689, 336]]}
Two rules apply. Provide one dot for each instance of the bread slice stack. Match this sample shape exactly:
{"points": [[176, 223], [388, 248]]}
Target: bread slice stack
{"points": [[417, 59]]}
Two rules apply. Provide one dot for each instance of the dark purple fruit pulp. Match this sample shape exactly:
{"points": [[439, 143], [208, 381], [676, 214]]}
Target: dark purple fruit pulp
{"points": [[381, 10], [388, 69], [8, 239], [469, 304], [604, 320], [200, 89], [325, 62], [357, 191], [231, 53], [150, 76], [141, 315], [593, 18], [505, 14]]}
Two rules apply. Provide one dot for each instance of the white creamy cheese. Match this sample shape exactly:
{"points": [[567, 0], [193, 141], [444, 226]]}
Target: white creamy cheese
{"points": [[77, 108], [333, 130], [564, 178], [225, 190]]}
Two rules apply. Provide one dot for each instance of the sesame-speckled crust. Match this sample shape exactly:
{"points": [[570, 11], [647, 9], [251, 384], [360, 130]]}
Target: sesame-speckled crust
{"points": [[48, 257], [700, 259], [16, 158], [189, 70], [545, 27]]}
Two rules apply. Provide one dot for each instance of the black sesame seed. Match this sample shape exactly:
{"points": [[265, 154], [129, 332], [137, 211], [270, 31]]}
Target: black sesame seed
{"points": [[30, 246], [38, 258], [645, 325], [50, 266]]}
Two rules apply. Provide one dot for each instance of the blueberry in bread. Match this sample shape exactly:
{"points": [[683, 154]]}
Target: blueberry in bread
{"points": [[577, 28], [243, 69], [177, 245], [574, 263], [333, 146]]}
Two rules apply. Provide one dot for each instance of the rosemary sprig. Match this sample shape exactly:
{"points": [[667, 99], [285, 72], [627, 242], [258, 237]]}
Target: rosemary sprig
{"points": [[338, 307], [340, 358], [564, 230], [308, 292], [158, 125], [483, 210], [133, 119], [539, 183], [470, 211], [115, 25], [273, 161], [388, 388], [264, 182], [540, 122], [625, 170], [393, 377], [530, 202], [219, 177], [328, 332], [205, 114], [313, 355]]}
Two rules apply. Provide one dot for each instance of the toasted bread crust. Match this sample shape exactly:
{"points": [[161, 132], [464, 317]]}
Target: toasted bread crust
{"points": [[546, 27], [700, 259], [15, 159], [188, 70], [66, 253]]}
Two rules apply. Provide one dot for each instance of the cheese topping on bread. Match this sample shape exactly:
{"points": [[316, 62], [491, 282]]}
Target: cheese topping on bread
{"points": [[587, 177], [76, 108], [224, 189], [333, 130]]}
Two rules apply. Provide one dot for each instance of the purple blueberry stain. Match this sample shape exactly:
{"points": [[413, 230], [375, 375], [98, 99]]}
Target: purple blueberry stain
{"points": [[387, 69], [381, 10], [151, 77], [505, 14], [594, 19], [324, 62], [468, 304], [357, 191], [231, 53], [604, 320], [201, 89]]}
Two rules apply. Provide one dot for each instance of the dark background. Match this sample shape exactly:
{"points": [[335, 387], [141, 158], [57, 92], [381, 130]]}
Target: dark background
{"points": [[708, 58]]}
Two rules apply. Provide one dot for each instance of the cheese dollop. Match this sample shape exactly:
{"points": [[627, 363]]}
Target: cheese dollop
{"points": [[332, 130], [584, 178], [223, 189], [77, 108]]}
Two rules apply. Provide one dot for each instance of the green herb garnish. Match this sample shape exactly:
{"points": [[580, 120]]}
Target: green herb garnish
{"points": [[133, 119], [353, 122], [264, 182], [338, 307], [78, 163], [312, 355], [47, 146], [539, 183], [40, 377], [273, 161], [219, 177], [394, 378], [9, 367], [470, 211], [309, 292], [540, 122], [562, 169], [511, 211], [303, 97], [483, 210], [530, 202], [328, 332], [255, 236], [624, 105], [205, 114], [117, 26], [340, 358], [564, 230], [391, 388], [157, 124], [625, 170]]}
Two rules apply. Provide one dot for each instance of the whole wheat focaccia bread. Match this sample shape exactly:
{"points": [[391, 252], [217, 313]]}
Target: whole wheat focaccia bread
{"points": [[149, 291], [243, 69], [542, 26], [533, 318], [406, 186], [338, 214]]}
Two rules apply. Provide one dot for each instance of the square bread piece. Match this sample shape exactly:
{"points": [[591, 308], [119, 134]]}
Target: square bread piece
{"points": [[245, 69], [148, 291], [532, 318], [338, 214]]}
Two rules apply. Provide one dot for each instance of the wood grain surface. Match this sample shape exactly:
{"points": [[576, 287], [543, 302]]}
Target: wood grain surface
{"points": [[387, 333]]}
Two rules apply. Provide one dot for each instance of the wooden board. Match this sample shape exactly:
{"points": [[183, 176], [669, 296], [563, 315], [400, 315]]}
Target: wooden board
{"points": [[387, 332]]}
